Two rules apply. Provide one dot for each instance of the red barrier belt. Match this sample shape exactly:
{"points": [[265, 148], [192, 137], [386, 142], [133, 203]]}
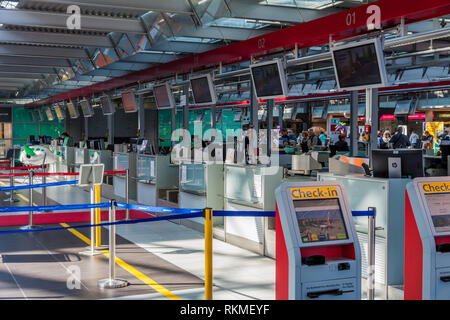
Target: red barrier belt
{"points": [[21, 168], [40, 174], [4, 162]]}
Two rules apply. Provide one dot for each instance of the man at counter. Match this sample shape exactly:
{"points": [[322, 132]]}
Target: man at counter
{"points": [[67, 140], [399, 140]]}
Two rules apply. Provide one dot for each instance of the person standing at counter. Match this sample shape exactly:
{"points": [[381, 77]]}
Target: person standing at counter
{"points": [[303, 141], [313, 140], [427, 140], [67, 140], [399, 140], [414, 140]]}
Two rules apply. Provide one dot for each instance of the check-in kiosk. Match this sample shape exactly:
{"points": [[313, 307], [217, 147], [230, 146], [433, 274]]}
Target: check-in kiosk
{"points": [[317, 250], [427, 239]]}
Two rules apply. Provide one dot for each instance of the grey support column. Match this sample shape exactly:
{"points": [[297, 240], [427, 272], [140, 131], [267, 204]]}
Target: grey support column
{"points": [[186, 108], [110, 119], [372, 105], [141, 116], [86, 129], [213, 116], [354, 123], [253, 108], [270, 103]]}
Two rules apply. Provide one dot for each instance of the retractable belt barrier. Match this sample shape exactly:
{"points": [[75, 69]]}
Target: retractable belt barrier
{"points": [[47, 174], [21, 168]]}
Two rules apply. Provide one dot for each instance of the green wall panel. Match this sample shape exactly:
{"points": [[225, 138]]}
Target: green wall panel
{"points": [[53, 130], [25, 130]]}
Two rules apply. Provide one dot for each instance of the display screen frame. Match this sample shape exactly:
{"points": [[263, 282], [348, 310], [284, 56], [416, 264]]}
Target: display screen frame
{"points": [[376, 42], [165, 87], [132, 96], [281, 77], [86, 108], [211, 89], [40, 115], [292, 217], [423, 201], [107, 105], [73, 110], [59, 111], [49, 114]]}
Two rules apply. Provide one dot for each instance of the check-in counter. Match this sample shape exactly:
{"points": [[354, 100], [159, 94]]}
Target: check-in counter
{"points": [[157, 179], [125, 161], [252, 188], [101, 156], [65, 158], [201, 186], [81, 157], [388, 197]]}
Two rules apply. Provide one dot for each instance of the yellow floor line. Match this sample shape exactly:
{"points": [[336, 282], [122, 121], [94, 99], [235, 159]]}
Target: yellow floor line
{"points": [[147, 280]]}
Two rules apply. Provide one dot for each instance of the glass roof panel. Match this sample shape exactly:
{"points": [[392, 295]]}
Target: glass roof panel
{"points": [[311, 4], [235, 23]]}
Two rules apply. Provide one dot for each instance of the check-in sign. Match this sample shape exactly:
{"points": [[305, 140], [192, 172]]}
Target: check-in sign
{"points": [[314, 193], [436, 187]]}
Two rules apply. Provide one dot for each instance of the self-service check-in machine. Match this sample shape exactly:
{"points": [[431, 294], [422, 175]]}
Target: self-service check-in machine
{"points": [[317, 250], [427, 239]]}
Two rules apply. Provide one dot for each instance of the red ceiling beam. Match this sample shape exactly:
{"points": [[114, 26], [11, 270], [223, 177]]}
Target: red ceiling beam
{"points": [[340, 25]]}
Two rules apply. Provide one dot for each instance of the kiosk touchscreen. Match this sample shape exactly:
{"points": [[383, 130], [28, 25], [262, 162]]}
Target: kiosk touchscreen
{"points": [[427, 239], [317, 250]]}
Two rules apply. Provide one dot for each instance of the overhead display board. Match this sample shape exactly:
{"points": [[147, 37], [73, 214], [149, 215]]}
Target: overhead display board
{"points": [[203, 90], [269, 79], [359, 65], [129, 101], [163, 96]]}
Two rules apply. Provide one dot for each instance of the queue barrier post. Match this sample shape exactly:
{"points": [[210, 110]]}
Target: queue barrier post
{"points": [[44, 189], [92, 251], [371, 255], [127, 199], [208, 253], [98, 219], [30, 204], [11, 183], [111, 282]]}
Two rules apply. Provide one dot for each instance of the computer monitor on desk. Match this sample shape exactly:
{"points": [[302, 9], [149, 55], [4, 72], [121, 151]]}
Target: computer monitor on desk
{"points": [[397, 163]]}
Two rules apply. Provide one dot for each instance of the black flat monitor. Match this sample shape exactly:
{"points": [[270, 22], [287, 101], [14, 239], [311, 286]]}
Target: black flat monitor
{"points": [[359, 65], [49, 114], [163, 96], [203, 90], [411, 162], [40, 115], [73, 110], [59, 110], [87, 109], [107, 105], [129, 101], [269, 79]]}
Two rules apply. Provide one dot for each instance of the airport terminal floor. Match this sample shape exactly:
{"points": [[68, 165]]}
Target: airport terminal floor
{"points": [[234, 158]]}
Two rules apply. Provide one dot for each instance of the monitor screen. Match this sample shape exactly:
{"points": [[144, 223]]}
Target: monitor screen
{"points": [[49, 114], [87, 109], [439, 206], [320, 220], [203, 90], [107, 105], [73, 111], [317, 112], [163, 96], [40, 115], [58, 111], [403, 107], [360, 65], [411, 162], [269, 79], [129, 101]]}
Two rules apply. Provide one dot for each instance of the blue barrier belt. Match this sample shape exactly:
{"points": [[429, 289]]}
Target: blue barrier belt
{"points": [[219, 213], [363, 213], [156, 209], [56, 208], [153, 219], [42, 185]]}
